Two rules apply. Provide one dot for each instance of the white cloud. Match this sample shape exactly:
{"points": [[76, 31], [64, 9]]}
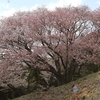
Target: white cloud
{"points": [[73, 2], [34, 7], [62, 3], [6, 10], [23, 9]]}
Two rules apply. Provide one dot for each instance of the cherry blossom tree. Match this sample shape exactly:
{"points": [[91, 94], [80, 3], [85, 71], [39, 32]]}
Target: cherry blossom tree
{"points": [[53, 41]]}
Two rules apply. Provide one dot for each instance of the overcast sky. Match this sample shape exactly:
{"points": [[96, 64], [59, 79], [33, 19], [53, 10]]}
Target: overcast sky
{"points": [[8, 7]]}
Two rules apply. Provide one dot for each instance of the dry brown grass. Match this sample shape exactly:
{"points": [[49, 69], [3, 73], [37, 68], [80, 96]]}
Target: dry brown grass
{"points": [[88, 89]]}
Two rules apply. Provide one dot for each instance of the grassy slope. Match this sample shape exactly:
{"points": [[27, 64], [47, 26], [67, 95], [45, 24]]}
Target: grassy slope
{"points": [[89, 87]]}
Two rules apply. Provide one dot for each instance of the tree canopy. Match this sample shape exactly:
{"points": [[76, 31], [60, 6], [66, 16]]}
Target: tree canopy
{"points": [[56, 42]]}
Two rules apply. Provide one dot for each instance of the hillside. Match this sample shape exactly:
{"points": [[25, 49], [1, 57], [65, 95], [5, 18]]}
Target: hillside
{"points": [[89, 87]]}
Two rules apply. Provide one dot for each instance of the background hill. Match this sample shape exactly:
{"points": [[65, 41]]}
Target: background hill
{"points": [[89, 88]]}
